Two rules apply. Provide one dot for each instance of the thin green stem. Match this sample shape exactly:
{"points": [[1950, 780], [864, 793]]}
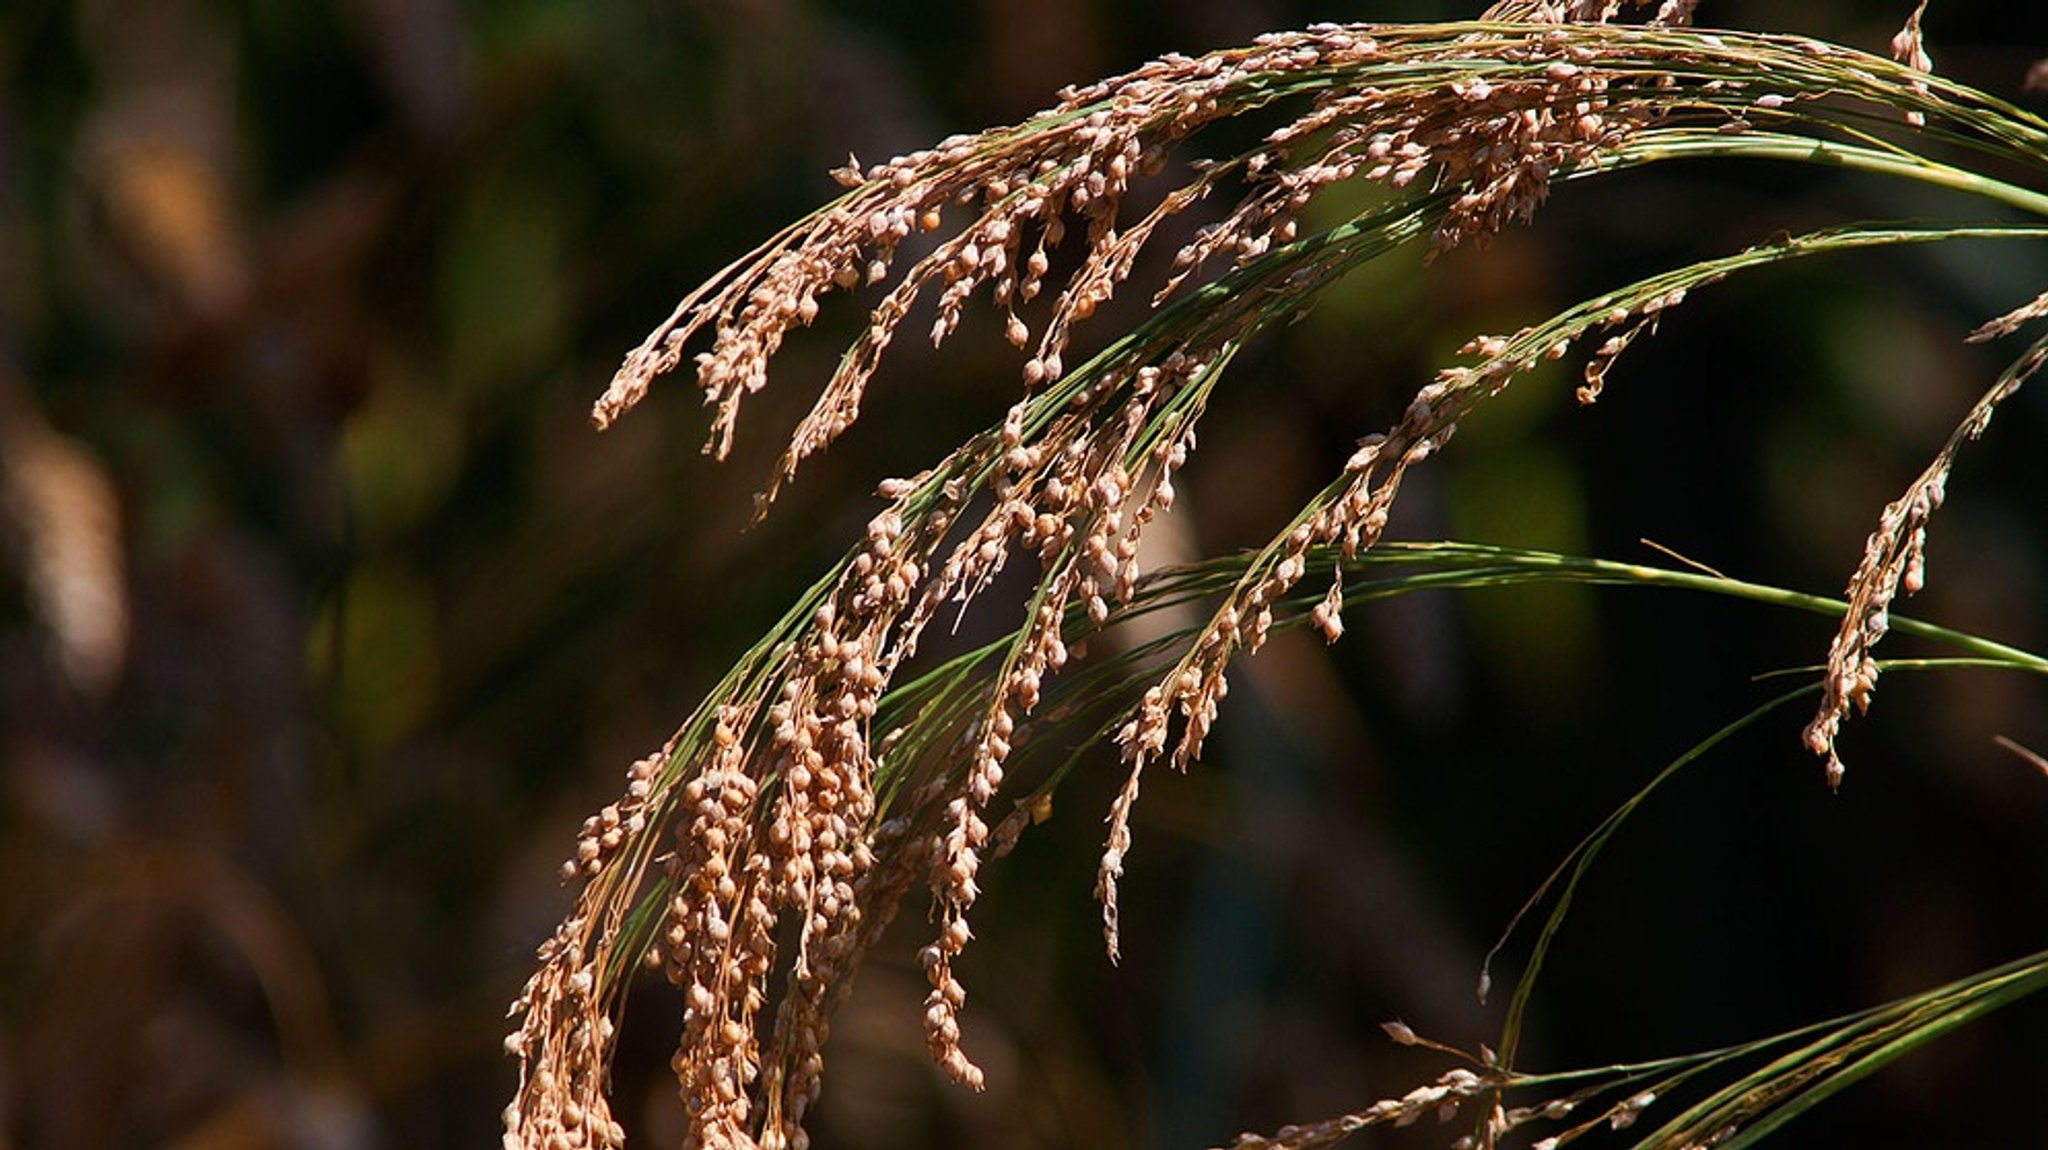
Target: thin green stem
{"points": [[1688, 144]]}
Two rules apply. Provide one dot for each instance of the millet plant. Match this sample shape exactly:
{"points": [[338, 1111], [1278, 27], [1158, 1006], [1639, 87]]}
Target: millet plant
{"points": [[758, 857]]}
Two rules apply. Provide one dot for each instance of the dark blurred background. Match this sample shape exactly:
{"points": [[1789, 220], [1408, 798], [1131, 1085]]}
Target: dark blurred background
{"points": [[325, 617]]}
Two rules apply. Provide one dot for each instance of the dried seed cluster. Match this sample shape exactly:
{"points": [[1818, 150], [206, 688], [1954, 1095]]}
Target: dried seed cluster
{"points": [[1024, 189], [564, 1048], [1894, 560], [1909, 47], [1670, 13], [1453, 1094], [718, 946], [1442, 1098], [1498, 139]]}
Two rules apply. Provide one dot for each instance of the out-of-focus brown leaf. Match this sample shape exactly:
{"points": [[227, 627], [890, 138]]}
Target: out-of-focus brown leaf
{"points": [[63, 505], [171, 210], [159, 153]]}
